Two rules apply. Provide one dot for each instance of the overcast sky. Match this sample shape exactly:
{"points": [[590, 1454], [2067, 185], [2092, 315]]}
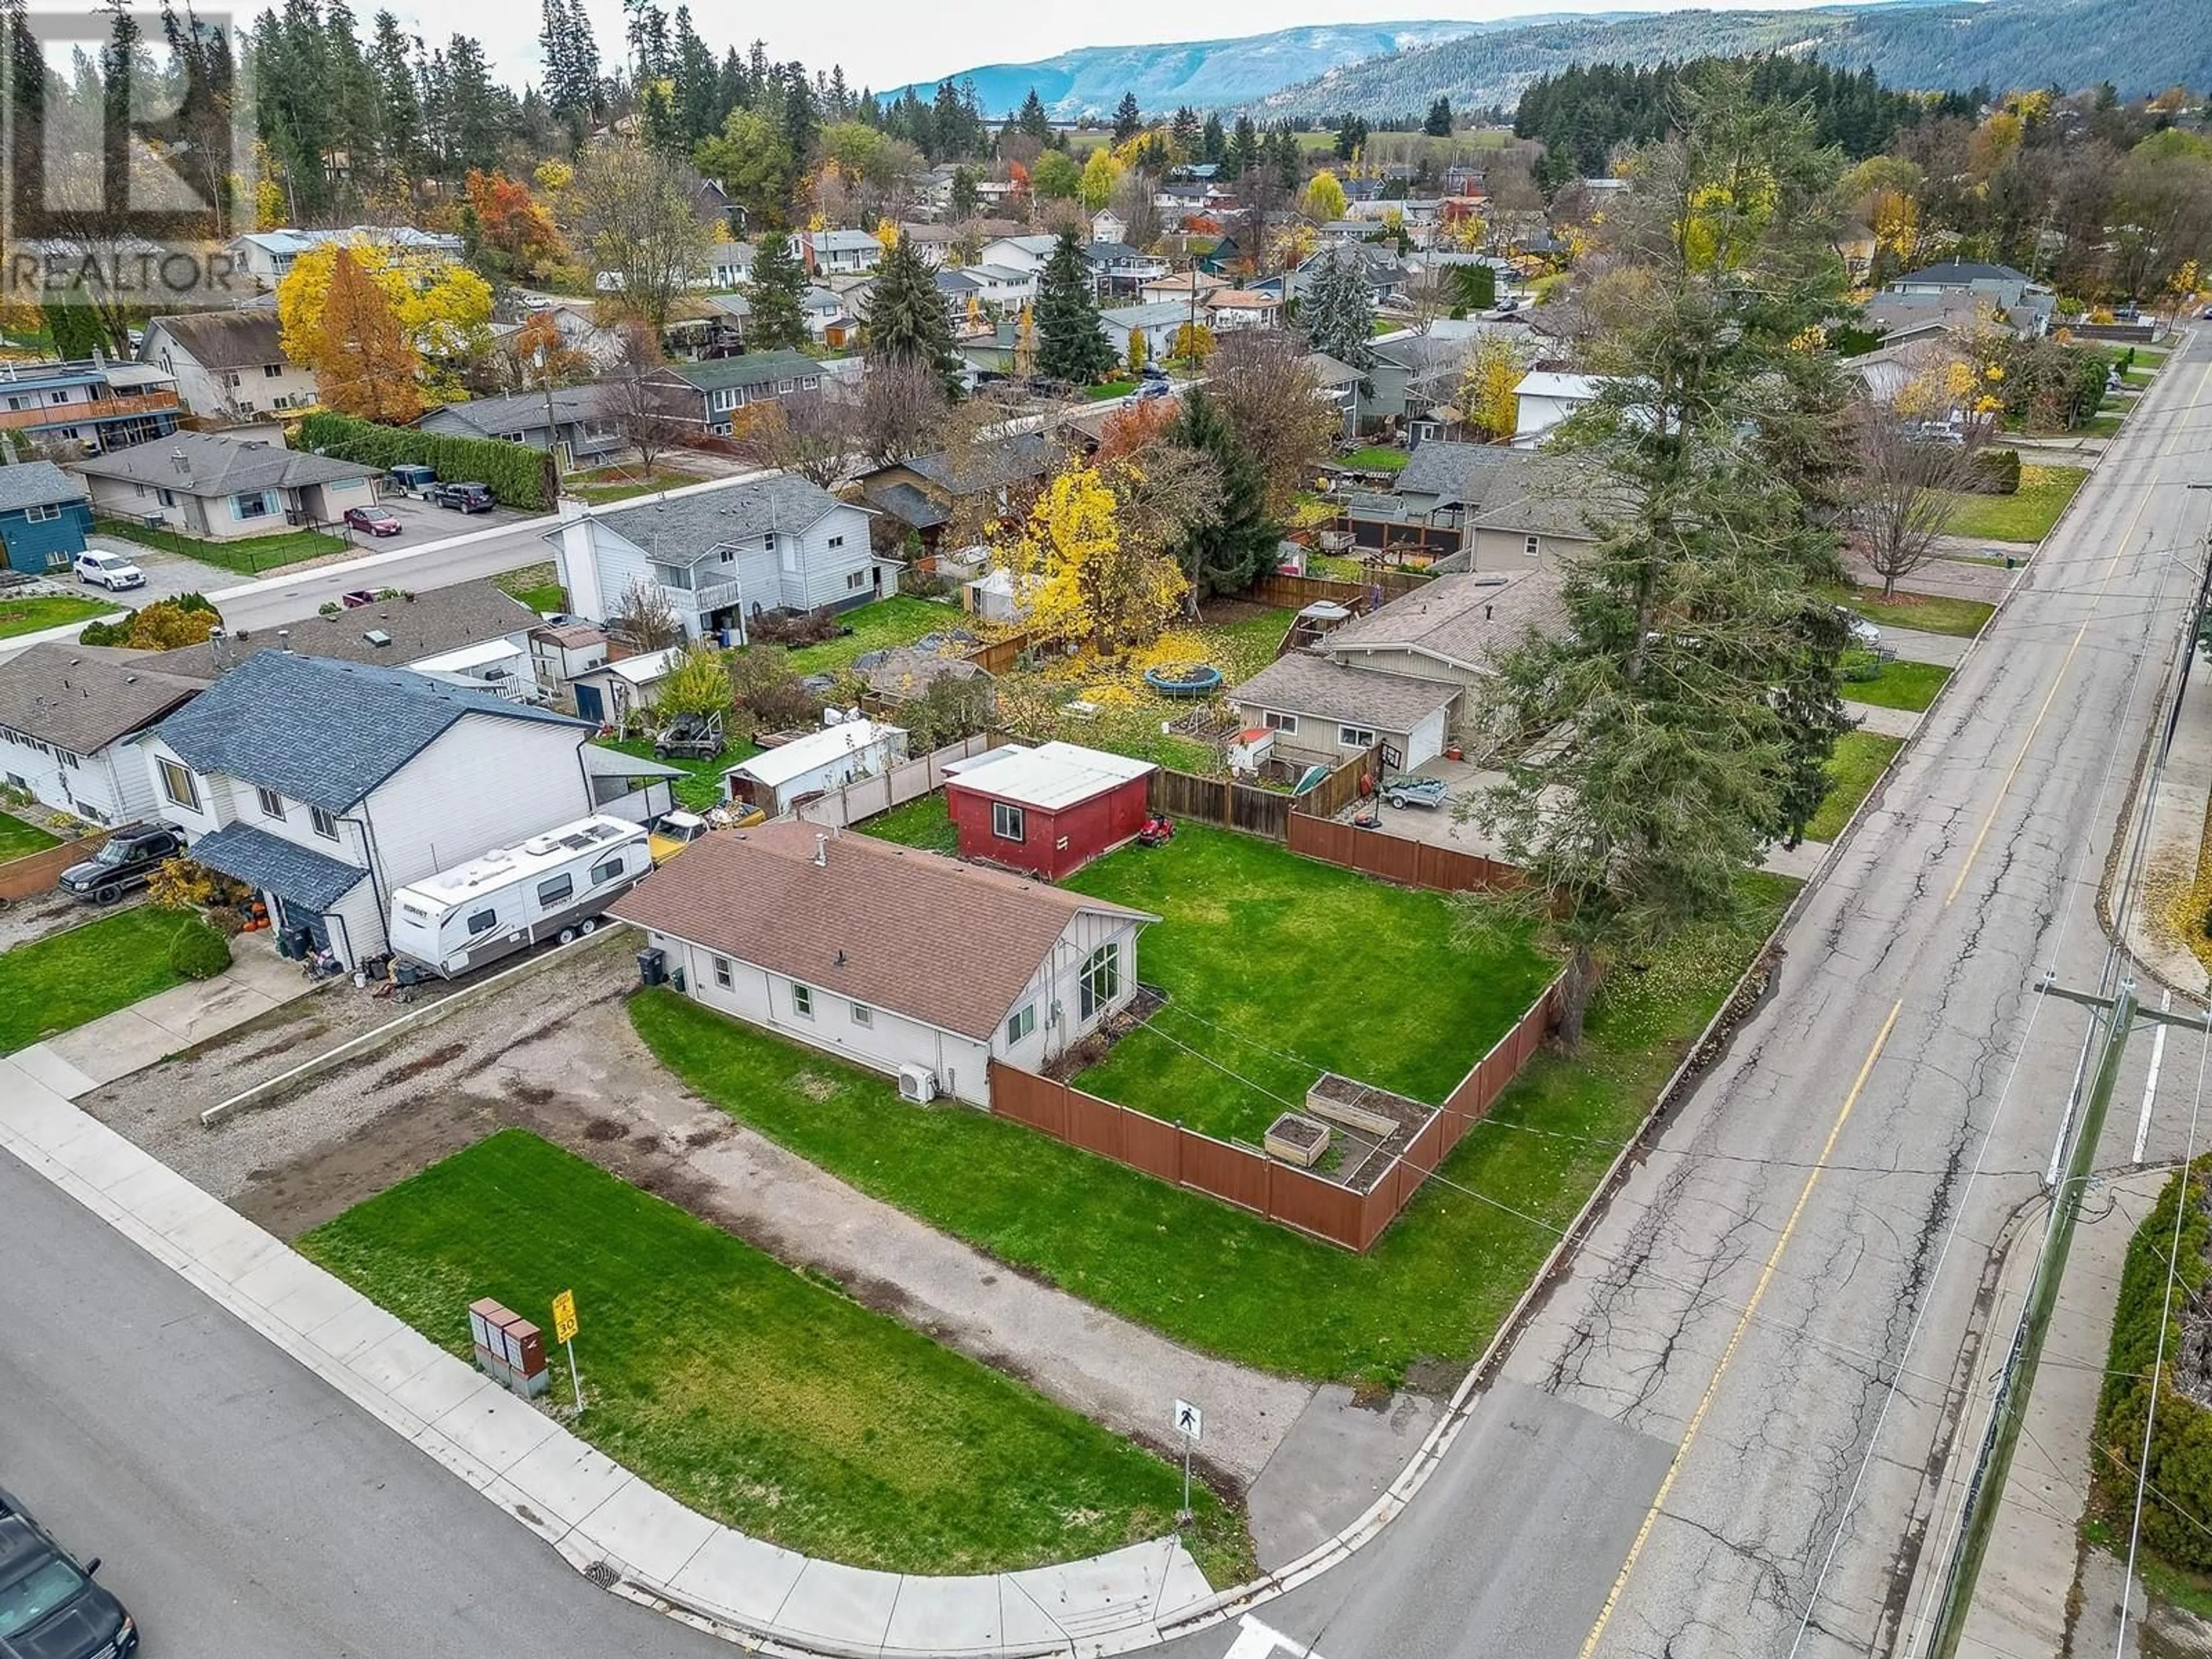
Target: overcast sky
{"points": [[887, 43]]}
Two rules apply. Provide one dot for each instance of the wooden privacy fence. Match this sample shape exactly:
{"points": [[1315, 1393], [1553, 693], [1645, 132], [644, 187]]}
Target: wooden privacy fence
{"points": [[37, 873], [1283, 1192], [1341, 787], [864, 798], [1222, 801], [1394, 858], [1299, 592], [997, 656]]}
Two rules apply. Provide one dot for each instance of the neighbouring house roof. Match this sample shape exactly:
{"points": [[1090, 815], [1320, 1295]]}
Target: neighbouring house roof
{"points": [[1008, 460], [1303, 683], [225, 339], [82, 698], [1113, 253], [1003, 274], [906, 672], [912, 933], [1447, 471], [642, 670], [845, 241], [910, 504], [322, 732], [688, 526], [1040, 245], [1234, 299], [778, 766], [1545, 383], [570, 636], [522, 411], [1958, 273], [36, 484], [430, 624], [1152, 314], [302, 875], [216, 466], [1328, 372], [1053, 775], [958, 281], [1458, 620], [751, 369]]}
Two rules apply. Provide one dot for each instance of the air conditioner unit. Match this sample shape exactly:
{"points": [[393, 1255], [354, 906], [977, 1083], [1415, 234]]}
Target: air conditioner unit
{"points": [[917, 1083]]}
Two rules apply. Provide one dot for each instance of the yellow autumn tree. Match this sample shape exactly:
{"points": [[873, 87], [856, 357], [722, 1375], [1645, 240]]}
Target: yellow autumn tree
{"points": [[363, 365], [443, 309], [1324, 198], [1087, 585], [1488, 405], [1193, 344], [1100, 174], [1139, 350]]}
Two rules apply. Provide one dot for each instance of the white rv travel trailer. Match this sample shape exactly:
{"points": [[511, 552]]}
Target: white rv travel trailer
{"points": [[552, 886]]}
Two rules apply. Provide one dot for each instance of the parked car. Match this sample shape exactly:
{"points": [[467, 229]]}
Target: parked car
{"points": [[465, 497], [50, 1607], [410, 477], [109, 570], [1864, 635], [125, 859], [376, 520]]}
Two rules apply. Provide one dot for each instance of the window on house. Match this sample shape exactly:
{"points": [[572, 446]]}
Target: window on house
{"points": [[326, 825], [559, 891], [855, 580], [768, 541], [1287, 724], [1102, 979], [863, 1015], [1354, 736], [836, 541], [255, 505], [272, 803], [166, 497], [604, 873], [46, 514], [483, 922], [1008, 823], [66, 758], [179, 786], [802, 1002], [1534, 547], [270, 371], [786, 386], [1023, 1022], [722, 975]]}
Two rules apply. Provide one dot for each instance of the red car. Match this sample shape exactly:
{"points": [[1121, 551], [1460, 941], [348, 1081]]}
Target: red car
{"points": [[376, 520]]}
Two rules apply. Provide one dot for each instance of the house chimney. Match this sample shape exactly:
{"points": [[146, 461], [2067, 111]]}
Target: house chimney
{"points": [[821, 852], [284, 640]]}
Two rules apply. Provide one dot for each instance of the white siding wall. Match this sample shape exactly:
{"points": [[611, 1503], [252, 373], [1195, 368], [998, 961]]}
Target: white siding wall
{"points": [[215, 809], [824, 570], [487, 782]]}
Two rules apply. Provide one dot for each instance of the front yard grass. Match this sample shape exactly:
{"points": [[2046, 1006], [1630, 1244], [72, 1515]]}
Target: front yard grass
{"points": [[246, 558], [51, 611], [1860, 759], [59, 983], [2027, 515], [1278, 968], [20, 840], [1376, 457], [1100, 393], [538, 586], [899, 620], [751, 1392], [1420, 1304], [622, 483], [1900, 684], [1923, 613], [700, 785]]}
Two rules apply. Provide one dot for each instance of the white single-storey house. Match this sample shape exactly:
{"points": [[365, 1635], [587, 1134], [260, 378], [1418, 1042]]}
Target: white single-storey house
{"points": [[777, 778], [888, 957], [74, 720], [221, 489]]}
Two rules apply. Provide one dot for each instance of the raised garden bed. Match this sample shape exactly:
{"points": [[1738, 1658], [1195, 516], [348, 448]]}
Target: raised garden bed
{"points": [[1298, 1140]]}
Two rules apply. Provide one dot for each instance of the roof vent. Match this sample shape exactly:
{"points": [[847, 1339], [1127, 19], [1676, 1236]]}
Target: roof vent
{"points": [[284, 640], [378, 637]]}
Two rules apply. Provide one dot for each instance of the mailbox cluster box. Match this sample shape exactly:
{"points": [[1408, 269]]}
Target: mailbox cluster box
{"points": [[509, 1347]]}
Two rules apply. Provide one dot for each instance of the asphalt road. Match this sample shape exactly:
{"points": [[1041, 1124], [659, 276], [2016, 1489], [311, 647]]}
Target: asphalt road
{"points": [[1757, 1347], [243, 1509], [287, 597]]}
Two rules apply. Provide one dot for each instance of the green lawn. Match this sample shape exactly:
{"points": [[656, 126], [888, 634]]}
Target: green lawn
{"points": [[1911, 686], [1860, 759], [19, 839], [247, 556], [1925, 613], [1435, 1285], [700, 785], [899, 620], [2026, 516], [621, 483], [1098, 394], [52, 610], [751, 1392], [1278, 968], [924, 824], [61, 981], [1376, 457], [538, 586]]}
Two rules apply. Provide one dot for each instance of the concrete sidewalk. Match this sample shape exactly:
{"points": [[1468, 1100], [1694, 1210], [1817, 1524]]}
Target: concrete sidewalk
{"points": [[1944, 650], [2151, 929], [77, 1062], [605, 1520]]}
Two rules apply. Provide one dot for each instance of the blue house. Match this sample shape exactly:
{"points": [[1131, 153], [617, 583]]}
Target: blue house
{"points": [[44, 518]]}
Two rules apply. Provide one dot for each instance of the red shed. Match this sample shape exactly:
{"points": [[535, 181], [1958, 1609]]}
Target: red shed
{"points": [[1049, 810]]}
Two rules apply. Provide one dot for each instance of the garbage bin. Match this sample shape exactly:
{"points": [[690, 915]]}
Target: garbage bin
{"points": [[652, 967]]}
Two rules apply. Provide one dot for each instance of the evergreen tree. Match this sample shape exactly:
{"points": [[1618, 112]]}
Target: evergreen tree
{"points": [[1244, 152], [801, 120], [732, 91], [1185, 135], [1035, 122], [697, 82], [1230, 550], [352, 87], [1212, 141], [1128, 119], [479, 111], [1350, 137], [1439, 123], [776, 318], [908, 322], [1288, 164], [1339, 311], [964, 193], [1071, 348], [399, 102], [948, 123]]}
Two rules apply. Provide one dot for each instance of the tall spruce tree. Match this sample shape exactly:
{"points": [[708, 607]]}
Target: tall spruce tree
{"points": [[775, 297], [1071, 348], [908, 322], [1212, 141], [1034, 122], [1339, 309], [1128, 119], [1227, 551]]}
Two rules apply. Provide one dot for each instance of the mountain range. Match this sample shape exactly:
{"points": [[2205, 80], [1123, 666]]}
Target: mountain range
{"points": [[1381, 71]]}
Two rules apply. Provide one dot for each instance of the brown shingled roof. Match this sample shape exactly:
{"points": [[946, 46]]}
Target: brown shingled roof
{"points": [[919, 934]]}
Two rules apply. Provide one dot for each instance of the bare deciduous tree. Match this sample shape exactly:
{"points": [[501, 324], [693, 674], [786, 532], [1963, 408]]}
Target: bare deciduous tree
{"points": [[1268, 392], [1902, 490], [811, 434], [644, 618], [637, 209], [646, 403], [900, 412]]}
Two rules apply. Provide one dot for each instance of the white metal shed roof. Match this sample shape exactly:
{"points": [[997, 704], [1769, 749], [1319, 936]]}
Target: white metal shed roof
{"points": [[1053, 775], [779, 766]]}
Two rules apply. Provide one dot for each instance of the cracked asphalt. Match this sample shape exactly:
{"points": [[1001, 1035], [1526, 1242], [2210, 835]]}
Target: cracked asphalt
{"points": [[1809, 1452]]}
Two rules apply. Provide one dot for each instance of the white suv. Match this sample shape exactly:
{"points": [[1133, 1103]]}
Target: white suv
{"points": [[109, 570]]}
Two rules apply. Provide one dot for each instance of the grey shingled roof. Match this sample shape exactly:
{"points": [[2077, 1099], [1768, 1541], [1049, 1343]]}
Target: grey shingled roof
{"points": [[908, 503], [300, 875], [36, 484], [1303, 683], [225, 339], [1460, 620], [687, 526], [82, 698], [521, 411], [218, 466], [322, 731], [1512, 489], [433, 623], [754, 368]]}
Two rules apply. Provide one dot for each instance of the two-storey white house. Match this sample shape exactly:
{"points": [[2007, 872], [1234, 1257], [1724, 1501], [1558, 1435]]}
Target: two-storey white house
{"points": [[328, 785], [889, 957], [229, 365], [74, 720], [721, 557]]}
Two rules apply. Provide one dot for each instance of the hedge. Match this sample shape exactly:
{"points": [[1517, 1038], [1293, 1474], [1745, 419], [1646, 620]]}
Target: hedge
{"points": [[2181, 1445], [520, 476], [1996, 472]]}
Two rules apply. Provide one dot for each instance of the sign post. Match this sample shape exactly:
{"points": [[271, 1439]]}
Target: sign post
{"points": [[564, 1332], [1190, 1424]]}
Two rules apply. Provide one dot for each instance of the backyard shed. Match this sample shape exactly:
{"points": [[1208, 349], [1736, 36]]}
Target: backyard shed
{"points": [[777, 779], [1049, 810]]}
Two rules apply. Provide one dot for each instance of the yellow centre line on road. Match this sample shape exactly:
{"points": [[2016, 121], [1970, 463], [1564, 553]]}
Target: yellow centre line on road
{"points": [[1743, 1324]]}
